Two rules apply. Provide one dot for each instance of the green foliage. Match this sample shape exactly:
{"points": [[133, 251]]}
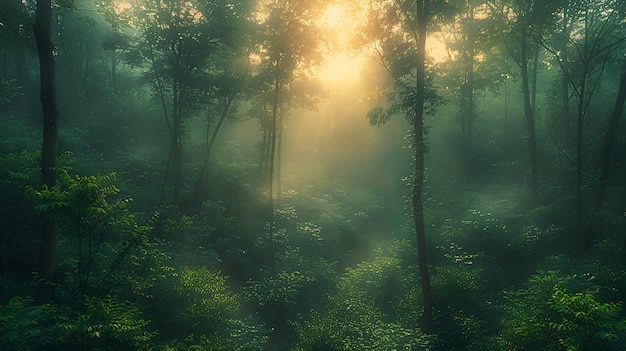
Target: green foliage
{"points": [[281, 291], [103, 323], [352, 330], [193, 239], [202, 313], [208, 299], [111, 324], [557, 311], [587, 324], [19, 170], [26, 326], [376, 307]]}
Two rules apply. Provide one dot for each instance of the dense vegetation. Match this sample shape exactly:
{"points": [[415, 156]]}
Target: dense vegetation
{"points": [[213, 185]]}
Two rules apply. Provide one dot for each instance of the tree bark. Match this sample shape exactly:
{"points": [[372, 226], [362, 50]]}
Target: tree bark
{"points": [[567, 133], [270, 192], [579, 244], [530, 119], [610, 138], [423, 9], [47, 240]]}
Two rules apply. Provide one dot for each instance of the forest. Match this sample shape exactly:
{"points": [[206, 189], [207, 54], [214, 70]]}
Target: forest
{"points": [[312, 175]]}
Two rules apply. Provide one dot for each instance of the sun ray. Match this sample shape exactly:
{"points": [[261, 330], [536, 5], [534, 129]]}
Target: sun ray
{"points": [[341, 62]]}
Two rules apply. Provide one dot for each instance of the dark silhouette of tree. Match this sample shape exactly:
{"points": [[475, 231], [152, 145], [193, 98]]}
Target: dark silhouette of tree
{"points": [[609, 139], [523, 25], [288, 50], [593, 41], [423, 16], [185, 44], [16, 19], [397, 33], [47, 239], [473, 66]]}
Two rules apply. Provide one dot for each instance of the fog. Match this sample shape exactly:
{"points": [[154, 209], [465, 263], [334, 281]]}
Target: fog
{"points": [[312, 175]]}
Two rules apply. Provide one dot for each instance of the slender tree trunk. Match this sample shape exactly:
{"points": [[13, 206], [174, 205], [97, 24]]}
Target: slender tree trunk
{"points": [[168, 123], [272, 154], [470, 111], [47, 240], [21, 71], [464, 153], [530, 119], [279, 159], [263, 157], [469, 90], [610, 138], [567, 133], [175, 135], [507, 97], [423, 13], [199, 193], [533, 91], [177, 97], [114, 68], [579, 245]]}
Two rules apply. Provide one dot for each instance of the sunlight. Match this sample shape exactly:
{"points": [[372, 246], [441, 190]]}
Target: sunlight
{"points": [[121, 7], [341, 66], [340, 20], [436, 49], [334, 17]]}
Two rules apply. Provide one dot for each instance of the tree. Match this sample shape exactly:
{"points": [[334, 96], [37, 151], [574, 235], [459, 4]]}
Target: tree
{"points": [[473, 65], [594, 39], [397, 31], [609, 139], [15, 17], [224, 79], [188, 46], [47, 239], [287, 52], [423, 16], [524, 23]]}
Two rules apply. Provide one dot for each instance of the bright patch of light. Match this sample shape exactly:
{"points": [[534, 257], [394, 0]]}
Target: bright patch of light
{"points": [[436, 49], [341, 66], [332, 17], [122, 6], [340, 63]]}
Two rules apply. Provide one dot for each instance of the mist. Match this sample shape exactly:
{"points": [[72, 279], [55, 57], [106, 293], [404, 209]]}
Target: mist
{"points": [[312, 175]]}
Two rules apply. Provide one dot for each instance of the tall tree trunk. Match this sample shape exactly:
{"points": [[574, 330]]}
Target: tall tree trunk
{"points": [[530, 119], [272, 154], [263, 157], [609, 138], [470, 112], [507, 97], [579, 244], [47, 239], [174, 141], [177, 108], [423, 13], [199, 193], [533, 91], [279, 159], [17, 17], [567, 133], [21, 71], [114, 68]]}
